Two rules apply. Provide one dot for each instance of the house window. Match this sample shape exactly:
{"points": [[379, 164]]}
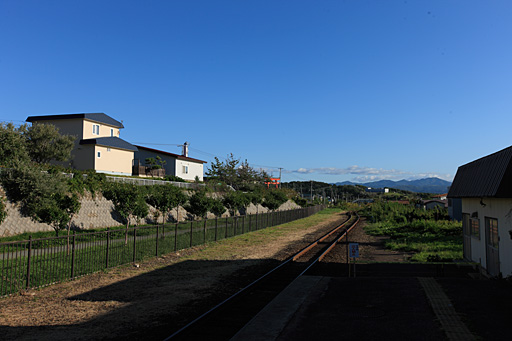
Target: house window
{"points": [[185, 169], [95, 129], [99, 155], [475, 227], [108, 149], [492, 230], [111, 132]]}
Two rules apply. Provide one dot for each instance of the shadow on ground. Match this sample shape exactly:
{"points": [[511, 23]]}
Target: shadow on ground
{"points": [[159, 302]]}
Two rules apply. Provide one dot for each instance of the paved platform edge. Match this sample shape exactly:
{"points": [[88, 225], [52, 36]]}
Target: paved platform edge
{"points": [[271, 320], [450, 321]]}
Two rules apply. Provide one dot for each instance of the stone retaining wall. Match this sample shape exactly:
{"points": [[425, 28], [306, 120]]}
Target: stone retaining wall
{"points": [[99, 212]]}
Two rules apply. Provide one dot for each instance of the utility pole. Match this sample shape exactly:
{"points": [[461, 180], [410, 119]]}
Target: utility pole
{"points": [[280, 177]]}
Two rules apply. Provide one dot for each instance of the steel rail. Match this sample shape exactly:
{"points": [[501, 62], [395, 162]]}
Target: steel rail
{"points": [[315, 243], [293, 258], [329, 248], [322, 256], [228, 299]]}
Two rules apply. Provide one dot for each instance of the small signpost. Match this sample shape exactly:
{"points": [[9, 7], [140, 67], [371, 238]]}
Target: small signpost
{"points": [[353, 252]]}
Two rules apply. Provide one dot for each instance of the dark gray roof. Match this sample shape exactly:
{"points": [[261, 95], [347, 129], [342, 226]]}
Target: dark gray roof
{"points": [[114, 142], [96, 117], [181, 157], [490, 176]]}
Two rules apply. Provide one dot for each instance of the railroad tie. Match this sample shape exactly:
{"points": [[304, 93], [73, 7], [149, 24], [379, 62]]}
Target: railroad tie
{"points": [[450, 321]]}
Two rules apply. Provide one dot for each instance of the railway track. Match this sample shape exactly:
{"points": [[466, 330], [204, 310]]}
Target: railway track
{"points": [[225, 319]]}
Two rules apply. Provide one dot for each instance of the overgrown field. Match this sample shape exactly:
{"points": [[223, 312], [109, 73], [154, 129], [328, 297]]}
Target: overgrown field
{"points": [[428, 233]]}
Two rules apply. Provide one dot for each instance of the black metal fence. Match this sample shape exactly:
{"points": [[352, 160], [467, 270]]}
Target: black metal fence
{"points": [[38, 262]]}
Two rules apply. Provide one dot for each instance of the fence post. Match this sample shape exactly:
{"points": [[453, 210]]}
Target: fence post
{"points": [[204, 232], [216, 227], [134, 242], [191, 232], [73, 255], [108, 246], [28, 260], [176, 237], [156, 246]]}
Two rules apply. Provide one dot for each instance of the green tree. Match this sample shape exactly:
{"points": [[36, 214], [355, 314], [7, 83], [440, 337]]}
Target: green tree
{"points": [[224, 171], [200, 204], [217, 207], [41, 195], [57, 211], [86, 180], [236, 201], [129, 202], [154, 198], [274, 199], [238, 175], [155, 162], [12, 145], [256, 198], [300, 201], [3, 213], [28, 185], [45, 143], [165, 199], [248, 178]]}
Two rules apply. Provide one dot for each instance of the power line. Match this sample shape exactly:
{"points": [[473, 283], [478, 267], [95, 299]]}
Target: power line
{"points": [[158, 144]]}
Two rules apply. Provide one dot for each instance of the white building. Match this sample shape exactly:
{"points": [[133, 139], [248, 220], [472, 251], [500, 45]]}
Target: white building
{"points": [[182, 166], [485, 189]]}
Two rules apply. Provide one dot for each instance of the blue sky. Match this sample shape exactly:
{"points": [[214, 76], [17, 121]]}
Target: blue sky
{"points": [[327, 90]]}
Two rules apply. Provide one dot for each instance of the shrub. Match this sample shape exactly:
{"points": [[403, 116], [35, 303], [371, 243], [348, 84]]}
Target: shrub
{"points": [[3, 212], [217, 207], [274, 199], [199, 204], [300, 201], [87, 181], [174, 178]]}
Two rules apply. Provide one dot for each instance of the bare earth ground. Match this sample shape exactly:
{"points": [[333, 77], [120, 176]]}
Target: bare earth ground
{"points": [[130, 301]]}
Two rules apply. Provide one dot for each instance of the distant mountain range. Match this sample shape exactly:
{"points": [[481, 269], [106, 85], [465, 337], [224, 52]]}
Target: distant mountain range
{"points": [[428, 185]]}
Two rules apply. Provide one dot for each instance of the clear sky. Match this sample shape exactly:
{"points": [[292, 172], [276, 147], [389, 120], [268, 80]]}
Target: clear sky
{"points": [[328, 90]]}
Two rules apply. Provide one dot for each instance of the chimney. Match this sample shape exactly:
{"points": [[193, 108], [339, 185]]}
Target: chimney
{"points": [[185, 149]]}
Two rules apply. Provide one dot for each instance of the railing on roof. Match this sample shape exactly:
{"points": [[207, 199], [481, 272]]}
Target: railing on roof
{"points": [[143, 182], [138, 181]]}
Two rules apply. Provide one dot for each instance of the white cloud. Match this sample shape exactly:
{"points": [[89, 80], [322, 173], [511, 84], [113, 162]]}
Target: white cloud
{"points": [[304, 171], [356, 170], [367, 174]]}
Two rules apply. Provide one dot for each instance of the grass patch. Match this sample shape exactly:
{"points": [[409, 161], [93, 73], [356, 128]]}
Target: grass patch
{"points": [[230, 248], [432, 241]]}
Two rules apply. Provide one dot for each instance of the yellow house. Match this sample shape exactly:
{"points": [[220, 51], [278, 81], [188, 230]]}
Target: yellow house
{"points": [[98, 145]]}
